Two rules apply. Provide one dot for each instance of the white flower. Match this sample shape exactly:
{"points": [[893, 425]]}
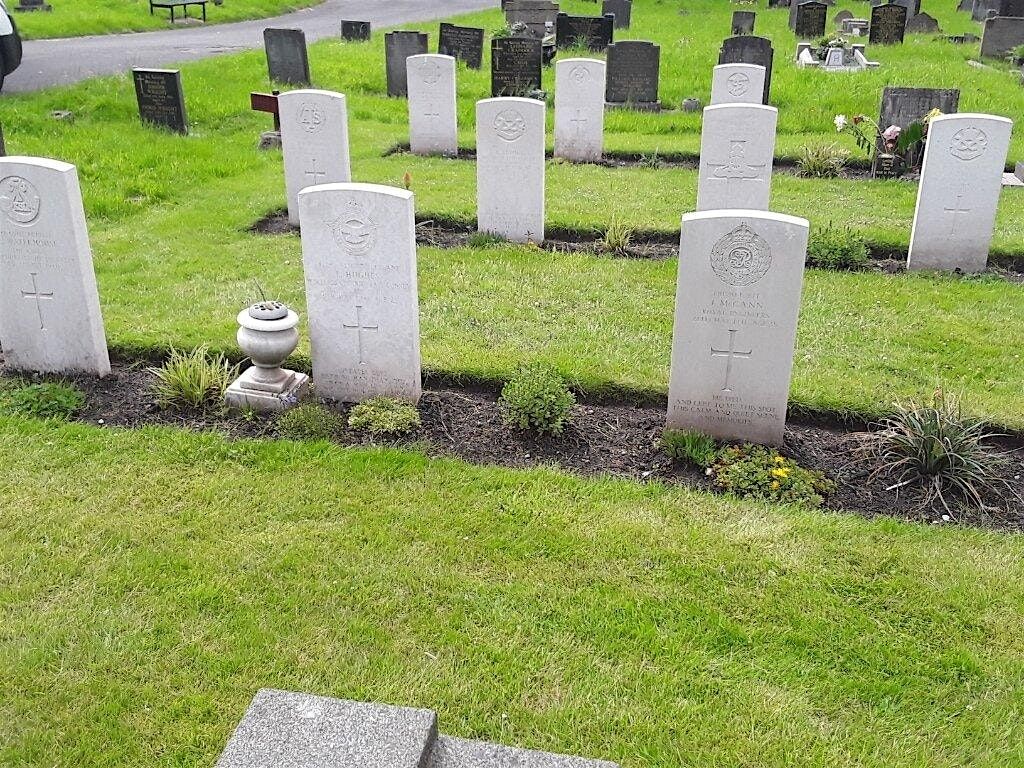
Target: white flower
{"points": [[840, 122]]}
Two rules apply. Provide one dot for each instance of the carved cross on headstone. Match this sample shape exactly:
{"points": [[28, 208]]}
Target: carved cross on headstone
{"points": [[359, 328], [38, 296], [729, 354], [313, 172], [955, 210], [579, 122], [734, 169], [267, 102]]}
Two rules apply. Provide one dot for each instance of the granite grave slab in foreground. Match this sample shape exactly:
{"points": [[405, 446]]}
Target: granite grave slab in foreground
{"points": [[297, 730]]}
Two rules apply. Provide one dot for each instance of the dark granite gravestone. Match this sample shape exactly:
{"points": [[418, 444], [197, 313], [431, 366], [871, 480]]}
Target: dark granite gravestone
{"points": [[622, 10], [1014, 8], [841, 17], [743, 22], [595, 32], [903, 106], [355, 30], [464, 43], [778, 3], [965, 5], [537, 15], [811, 18], [1002, 35], [923, 24], [888, 24], [33, 5], [287, 59], [983, 9], [399, 46], [748, 49], [913, 7], [632, 75], [515, 66], [161, 99]]}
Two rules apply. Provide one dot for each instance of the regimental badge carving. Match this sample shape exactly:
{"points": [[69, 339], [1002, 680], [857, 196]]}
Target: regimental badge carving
{"points": [[19, 200], [579, 74], [430, 72], [509, 124], [742, 257], [311, 117], [354, 230], [738, 84], [968, 143]]}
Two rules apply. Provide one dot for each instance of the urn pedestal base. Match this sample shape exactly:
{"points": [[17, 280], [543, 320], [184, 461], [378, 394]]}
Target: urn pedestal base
{"points": [[251, 390]]}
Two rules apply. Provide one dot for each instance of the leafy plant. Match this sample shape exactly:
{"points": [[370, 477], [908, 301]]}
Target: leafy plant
{"points": [[192, 379], [689, 446], [485, 240], [758, 472], [652, 160], [51, 400], [310, 421], [536, 398], [839, 248], [935, 445], [894, 139], [821, 161], [616, 238], [384, 417]]}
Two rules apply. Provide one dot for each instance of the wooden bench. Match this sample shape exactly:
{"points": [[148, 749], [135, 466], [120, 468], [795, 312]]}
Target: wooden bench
{"points": [[172, 4]]}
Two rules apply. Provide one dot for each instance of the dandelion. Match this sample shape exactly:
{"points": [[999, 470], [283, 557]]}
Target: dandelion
{"points": [[841, 123]]}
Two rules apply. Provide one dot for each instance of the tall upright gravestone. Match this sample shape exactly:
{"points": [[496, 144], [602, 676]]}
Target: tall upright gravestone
{"points": [[359, 260], [355, 31], [737, 150], [160, 98], [737, 84], [433, 128], [579, 109], [399, 46], [593, 32], [743, 22], [959, 192], [1002, 35], [516, 64], [287, 57], [811, 19], [749, 49], [888, 24], [622, 10], [314, 140], [510, 168], [738, 289], [463, 43], [50, 319], [634, 69]]}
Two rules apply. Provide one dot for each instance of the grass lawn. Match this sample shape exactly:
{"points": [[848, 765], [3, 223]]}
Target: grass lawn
{"points": [[73, 18], [144, 601]]}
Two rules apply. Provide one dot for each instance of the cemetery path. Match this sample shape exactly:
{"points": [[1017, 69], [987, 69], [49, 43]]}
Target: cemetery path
{"points": [[69, 60]]}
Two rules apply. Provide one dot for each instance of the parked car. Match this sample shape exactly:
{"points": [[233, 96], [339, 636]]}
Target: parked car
{"points": [[10, 44]]}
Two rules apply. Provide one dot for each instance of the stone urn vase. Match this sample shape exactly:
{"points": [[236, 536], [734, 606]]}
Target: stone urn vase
{"points": [[267, 334]]}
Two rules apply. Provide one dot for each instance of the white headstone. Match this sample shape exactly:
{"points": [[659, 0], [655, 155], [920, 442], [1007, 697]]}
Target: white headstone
{"points": [[433, 127], [579, 109], [359, 258], [50, 318], [314, 138], [737, 148], [959, 192], [737, 302], [737, 84], [510, 168]]}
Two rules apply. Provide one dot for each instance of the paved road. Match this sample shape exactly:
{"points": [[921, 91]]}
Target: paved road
{"points": [[59, 62]]}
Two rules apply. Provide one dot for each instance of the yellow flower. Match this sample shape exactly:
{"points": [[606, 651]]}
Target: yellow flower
{"points": [[775, 485], [779, 460], [780, 472]]}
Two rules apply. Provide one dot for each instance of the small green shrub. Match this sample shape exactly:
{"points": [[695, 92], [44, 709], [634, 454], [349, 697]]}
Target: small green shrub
{"points": [[758, 472], [311, 421], [652, 160], [936, 446], [536, 398], [689, 446], [485, 240], [822, 161], [52, 400], [384, 417], [837, 248], [192, 379], [616, 238]]}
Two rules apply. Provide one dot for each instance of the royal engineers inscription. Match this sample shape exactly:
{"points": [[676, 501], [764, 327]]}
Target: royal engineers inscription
{"points": [[738, 289], [160, 98]]}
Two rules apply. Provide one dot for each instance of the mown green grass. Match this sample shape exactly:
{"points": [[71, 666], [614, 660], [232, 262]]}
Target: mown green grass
{"points": [[143, 604], [74, 18]]}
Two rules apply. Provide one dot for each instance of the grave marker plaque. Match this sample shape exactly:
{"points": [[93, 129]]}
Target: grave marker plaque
{"points": [[633, 72], [1002, 35], [594, 32], [579, 109], [355, 30], [463, 43], [811, 18], [399, 46], [287, 58], [160, 98], [516, 64], [748, 49], [622, 10], [737, 149], [888, 24]]}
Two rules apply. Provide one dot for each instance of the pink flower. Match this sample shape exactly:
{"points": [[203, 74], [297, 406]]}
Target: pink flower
{"points": [[892, 133]]}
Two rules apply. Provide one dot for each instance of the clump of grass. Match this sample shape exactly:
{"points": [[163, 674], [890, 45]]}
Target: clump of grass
{"points": [[690, 446], [652, 160], [193, 379], [935, 446], [838, 248], [821, 161], [485, 240], [310, 421], [754, 471], [617, 238], [50, 400], [384, 417], [536, 399]]}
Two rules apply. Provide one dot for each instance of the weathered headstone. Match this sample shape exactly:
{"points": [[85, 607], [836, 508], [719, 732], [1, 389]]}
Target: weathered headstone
{"points": [[314, 137], [287, 57], [355, 30], [399, 46], [433, 127], [738, 289], [923, 24], [516, 64], [359, 258], [983, 9], [737, 84], [50, 318], [594, 32], [579, 109], [634, 68], [737, 150], [959, 192], [622, 10], [811, 18], [904, 106], [913, 7], [538, 15], [841, 17], [161, 98], [463, 43], [749, 49], [1002, 35], [856, 27], [510, 168], [1012, 8], [888, 24], [743, 22]]}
